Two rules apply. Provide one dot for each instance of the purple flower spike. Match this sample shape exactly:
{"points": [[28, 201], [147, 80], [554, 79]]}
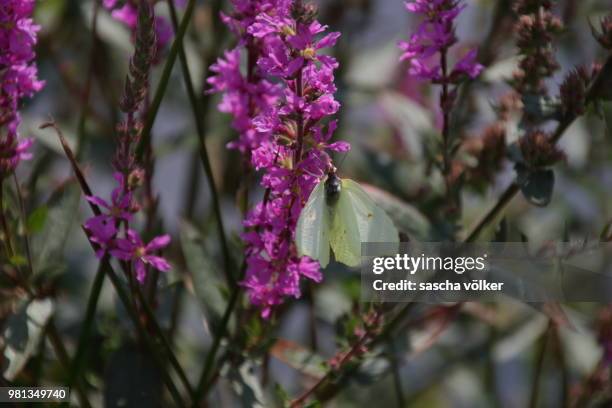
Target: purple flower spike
{"points": [[435, 35], [284, 132], [18, 78]]}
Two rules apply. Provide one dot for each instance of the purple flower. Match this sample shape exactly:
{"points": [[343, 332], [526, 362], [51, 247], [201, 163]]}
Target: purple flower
{"points": [[468, 66], [12, 152], [103, 228], [434, 36], [134, 250], [18, 78], [120, 208]]}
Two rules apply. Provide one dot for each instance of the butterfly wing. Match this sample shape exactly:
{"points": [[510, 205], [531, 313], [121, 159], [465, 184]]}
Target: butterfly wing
{"points": [[356, 219], [344, 236], [312, 233]]}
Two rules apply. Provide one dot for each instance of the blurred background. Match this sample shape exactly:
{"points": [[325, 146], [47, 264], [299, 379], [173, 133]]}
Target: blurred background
{"points": [[486, 355]]}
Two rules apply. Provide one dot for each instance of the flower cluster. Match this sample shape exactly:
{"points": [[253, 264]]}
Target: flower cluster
{"points": [[18, 78], [573, 92], [535, 30], [436, 35], [126, 12], [110, 231], [283, 130], [539, 150], [489, 148]]}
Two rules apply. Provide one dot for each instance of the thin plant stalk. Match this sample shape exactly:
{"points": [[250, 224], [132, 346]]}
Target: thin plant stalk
{"points": [[62, 355], [88, 82], [539, 369], [163, 82], [204, 381], [198, 115], [4, 224], [24, 220], [90, 313]]}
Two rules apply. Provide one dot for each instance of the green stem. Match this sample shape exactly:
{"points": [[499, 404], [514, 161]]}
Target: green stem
{"points": [[321, 387], [62, 356], [145, 141], [88, 81], [203, 383], [4, 223], [92, 304], [125, 299], [539, 369], [24, 220], [198, 115], [158, 330], [397, 378]]}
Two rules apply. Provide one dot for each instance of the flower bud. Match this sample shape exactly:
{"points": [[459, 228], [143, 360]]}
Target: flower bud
{"points": [[605, 36], [573, 93], [135, 179]]}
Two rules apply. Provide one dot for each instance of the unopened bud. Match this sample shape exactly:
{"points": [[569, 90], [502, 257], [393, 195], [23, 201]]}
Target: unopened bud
{"points": [[539, 151]]}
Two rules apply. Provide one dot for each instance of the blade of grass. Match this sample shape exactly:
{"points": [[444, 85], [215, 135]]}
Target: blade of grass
{"points": [[62, 355], [145, 140], [92, 304], [88, 81], [198, 116], [204, 381], [163, 339], [125, 299]]}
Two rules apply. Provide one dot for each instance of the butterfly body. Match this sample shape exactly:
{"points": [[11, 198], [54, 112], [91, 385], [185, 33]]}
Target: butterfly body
{"points": [[333, 188]]}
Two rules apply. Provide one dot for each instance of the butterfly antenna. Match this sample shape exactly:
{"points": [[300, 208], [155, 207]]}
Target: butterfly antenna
{"points": [[344, 156]]}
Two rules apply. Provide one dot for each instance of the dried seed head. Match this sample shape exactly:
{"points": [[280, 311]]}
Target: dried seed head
{"points": [[535, 31], [531, 6], [539, 151], [490, 150], [604, 37], [573, 92]]}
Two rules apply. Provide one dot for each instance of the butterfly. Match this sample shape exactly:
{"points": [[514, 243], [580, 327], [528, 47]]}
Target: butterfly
{"points": [[340, 215]]}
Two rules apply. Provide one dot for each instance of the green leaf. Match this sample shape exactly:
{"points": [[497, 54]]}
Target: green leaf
{"points": [[203, 280], [18, 260], [300, 358], [406, 218], [536, 185], [36, 220], [282, 395], [132, 379], [22, 334], [62, 212]]}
